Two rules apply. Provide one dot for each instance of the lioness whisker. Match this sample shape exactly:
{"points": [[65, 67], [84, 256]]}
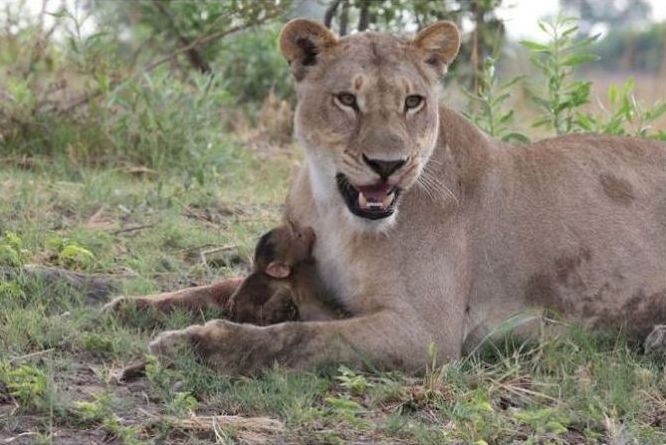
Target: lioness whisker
{"points": [[437, 187]]}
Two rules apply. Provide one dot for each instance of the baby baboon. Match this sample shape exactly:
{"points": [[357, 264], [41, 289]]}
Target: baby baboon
{"points": [[283, 285]]}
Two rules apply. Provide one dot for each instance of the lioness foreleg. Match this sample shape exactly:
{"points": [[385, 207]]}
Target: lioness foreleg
{"points": [[383, 339]]}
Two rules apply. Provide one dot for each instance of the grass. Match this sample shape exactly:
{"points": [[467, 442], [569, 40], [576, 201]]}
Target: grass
{"points": [[148, 231]]}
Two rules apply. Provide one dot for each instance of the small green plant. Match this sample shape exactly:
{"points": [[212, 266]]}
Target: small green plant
{"points": [[544, 420], [71, 254], [99, 411], [490, 99], [624, 115], [11, 291], [343, 406], [93, 411], [27, 384], [352, 381], [556, 60], [97, 343], [182, 404], [11, 250], [75, 255]]}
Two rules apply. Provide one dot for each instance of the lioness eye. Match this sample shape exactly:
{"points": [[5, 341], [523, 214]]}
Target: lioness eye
{"points": [[347, 99], [413, 101]]}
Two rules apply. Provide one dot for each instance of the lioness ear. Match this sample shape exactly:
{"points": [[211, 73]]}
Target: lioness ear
{"points": [[440, 43], [301, 40], [277, 269]]}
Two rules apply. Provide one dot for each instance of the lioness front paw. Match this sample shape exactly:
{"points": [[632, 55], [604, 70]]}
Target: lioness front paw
{"points": [[229, 348], [171, 343]]}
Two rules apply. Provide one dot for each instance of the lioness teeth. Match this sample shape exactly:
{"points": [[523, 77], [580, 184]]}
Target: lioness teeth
{"points": [[362, 200], [385, 202], [388, 199]]}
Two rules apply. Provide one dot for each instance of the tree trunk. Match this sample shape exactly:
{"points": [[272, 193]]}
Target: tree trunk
{"points": [[364, 17], [344, 18], [330, 13]]}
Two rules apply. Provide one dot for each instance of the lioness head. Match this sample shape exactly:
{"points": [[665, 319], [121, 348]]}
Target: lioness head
{"points": [[367, 111]]}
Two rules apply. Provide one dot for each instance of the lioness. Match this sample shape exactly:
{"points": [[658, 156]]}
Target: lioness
{"points": [[432, 232]]}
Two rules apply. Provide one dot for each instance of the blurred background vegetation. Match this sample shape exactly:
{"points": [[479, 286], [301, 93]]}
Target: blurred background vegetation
{"points": [[162, 84]]}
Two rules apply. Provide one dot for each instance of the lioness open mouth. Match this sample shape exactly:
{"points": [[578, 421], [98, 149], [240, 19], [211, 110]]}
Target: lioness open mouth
{"points": [[372, 202]]}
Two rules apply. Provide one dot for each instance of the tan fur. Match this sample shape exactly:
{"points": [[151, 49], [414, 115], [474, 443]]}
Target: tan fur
{"points": [[484, 230]]}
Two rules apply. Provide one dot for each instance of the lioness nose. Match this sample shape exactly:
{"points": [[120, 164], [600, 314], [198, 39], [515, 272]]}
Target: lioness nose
{"points": [[384, 167]]}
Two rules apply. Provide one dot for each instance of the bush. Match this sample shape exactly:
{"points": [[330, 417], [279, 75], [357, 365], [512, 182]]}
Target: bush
{"points": [[252, 66]]}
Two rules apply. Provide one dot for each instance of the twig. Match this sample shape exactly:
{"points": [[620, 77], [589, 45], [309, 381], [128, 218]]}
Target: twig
{"points": [[202, 40], [132, 229], [194, 422], [31, 355], [20, 436], [195, 58], [206, 252], [522, 391]]}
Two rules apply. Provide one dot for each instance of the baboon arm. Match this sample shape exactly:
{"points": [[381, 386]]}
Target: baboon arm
{"points": [[193, 299]]}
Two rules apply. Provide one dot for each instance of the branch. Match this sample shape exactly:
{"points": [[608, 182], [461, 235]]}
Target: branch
{"points": [[330, 13], [195, 58], [202, 40]]}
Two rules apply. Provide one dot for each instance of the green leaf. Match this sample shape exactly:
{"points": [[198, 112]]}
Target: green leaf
{"points": [[541, 122], [542, 102], [612, 93], [506, 117], [516, 137], [534, 46], [570, 31], [579, 59], [512, 82]]}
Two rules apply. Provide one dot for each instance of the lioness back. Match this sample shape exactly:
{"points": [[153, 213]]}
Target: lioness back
{"points": [[576, 224]]}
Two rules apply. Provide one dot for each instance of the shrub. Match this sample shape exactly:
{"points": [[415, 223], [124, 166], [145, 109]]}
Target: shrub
{"points": [[252, 66]]}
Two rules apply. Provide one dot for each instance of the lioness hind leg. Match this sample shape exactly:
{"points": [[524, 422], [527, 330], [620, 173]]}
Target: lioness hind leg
{"points": [[212, 296], [656, 342]]}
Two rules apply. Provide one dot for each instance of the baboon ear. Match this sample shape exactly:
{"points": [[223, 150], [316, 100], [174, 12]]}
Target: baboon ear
{"points": [[277, 269], [439, 43], [301, 40]]}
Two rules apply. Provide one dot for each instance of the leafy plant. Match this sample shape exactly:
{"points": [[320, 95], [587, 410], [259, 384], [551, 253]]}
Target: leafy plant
{"points": [[11, 290], [490, 98], [252, 67], [11, 250], [544, 420], [94, 411], [556, 60], [100, 411], [625, 115], [28, 384], [346, 408], [352, 381], [182, 404]]}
